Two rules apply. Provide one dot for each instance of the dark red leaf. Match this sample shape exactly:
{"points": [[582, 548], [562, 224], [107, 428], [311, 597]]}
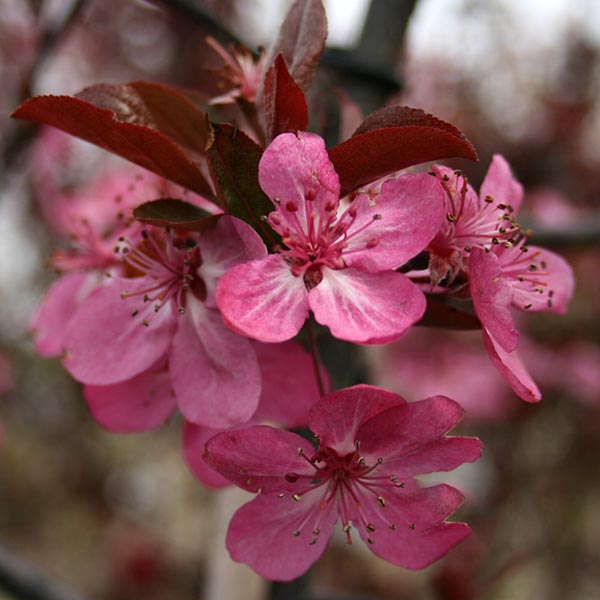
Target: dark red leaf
{"points": [[448, 313], [400, 116], [168, 139], [284, 101], [172, 212], [365, 157], [233, 159], [301, 40]]}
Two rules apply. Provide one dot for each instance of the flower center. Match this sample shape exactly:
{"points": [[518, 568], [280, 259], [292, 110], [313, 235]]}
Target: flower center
{"points": [[351, 483], [169, 264], [318, 236]]}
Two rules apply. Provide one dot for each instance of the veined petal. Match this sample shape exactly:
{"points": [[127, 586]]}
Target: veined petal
{"points": [[56, 309], [492, 297], [111, 339], [366, 308], [337, 418], [289, 384], [419, 535], [139, 404], [194, 440], [213, 371], [263, 300], [261, 534], [228, 243], [500, 184], [411, 438], [260, 457], [512, 369], [408, 211], [296, 168]]}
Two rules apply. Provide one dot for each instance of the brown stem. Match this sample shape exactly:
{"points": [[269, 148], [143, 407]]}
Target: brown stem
{"points": [[314, 351]]}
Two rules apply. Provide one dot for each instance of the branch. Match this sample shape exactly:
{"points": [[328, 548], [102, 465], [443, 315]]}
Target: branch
{"points": [[22, 581]]}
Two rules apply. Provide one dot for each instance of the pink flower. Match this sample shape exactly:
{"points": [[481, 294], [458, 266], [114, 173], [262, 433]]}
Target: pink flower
{"points": [[337, 259], [93, 218], [482, 242], [164, 313], [241, 71], [371, 444], [472, 221]]}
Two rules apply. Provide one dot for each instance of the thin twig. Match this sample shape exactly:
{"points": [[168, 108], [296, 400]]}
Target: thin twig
{"points": [[314, 351]]}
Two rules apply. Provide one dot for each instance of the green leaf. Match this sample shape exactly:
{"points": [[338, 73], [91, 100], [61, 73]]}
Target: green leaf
{"points": [[171, 212]]}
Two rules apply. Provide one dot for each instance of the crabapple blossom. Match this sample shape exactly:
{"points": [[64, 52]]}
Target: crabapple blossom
{"points": [[163, 312], [482, 241], [370, 446], [336, 258]]}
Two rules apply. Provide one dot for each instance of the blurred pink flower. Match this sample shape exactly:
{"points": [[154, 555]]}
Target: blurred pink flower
{"points": [[425, 362], [337, 261], [241, 71], [371, 444]]}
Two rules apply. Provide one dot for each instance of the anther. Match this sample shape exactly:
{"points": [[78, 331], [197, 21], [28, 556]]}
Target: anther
{"points": [[412, 526], [300, 451], [312, 542], [296, 497], [124, 295], [181, 310], [280, 496], [400, 485], [249, 481], [357, 444], [489, 200], [381, 501], [361, 461], [316, 531], [370, 540], [134, 312], [377, 217], [380, 461], [295, 533], [145, 323], [370, 527], [450, 217], [392, 527], [527, 306], [347, 528]]}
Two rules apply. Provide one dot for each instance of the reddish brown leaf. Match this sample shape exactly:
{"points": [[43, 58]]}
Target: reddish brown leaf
{"points": [[234, 159], [400, 116], [445, 312], [172, 212], [134, 126], [153, 105], [301, 40], [284, 101], [365, 157]]}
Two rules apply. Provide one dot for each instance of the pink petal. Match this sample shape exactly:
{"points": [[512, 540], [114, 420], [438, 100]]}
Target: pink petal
{"points": [[500, 184], [421, 536], [194, 440], [492, 297], [105, 344], [512, 369], [263, 300], [228, 243], [337, 418], [366, 308], [213, 371], [56, 310], [558, 283], [289, 384], [411, 208], [259, 457], [260, 535], [138, 404], [411, 438], [295, 167]]}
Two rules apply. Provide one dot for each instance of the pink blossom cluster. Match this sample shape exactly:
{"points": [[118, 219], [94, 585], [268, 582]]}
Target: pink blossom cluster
{"points": [[156, 311]]}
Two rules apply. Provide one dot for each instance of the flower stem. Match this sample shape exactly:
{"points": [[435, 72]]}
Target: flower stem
{"points": [[314, 351]]}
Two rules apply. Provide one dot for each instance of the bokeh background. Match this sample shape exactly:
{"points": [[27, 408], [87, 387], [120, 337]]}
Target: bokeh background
{"points": [[106, 516]]}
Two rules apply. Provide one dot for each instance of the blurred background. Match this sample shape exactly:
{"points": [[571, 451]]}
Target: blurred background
{"points": [[106, 516]]}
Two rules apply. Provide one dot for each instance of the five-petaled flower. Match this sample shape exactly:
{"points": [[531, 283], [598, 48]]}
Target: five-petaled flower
{"points": [[370, 446], [482, 242], [164, 313], [338, 258]]}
